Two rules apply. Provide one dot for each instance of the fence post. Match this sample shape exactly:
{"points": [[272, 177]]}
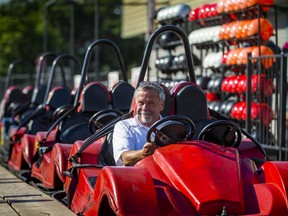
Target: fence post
{"points": [[282, 113], [248, 92]]}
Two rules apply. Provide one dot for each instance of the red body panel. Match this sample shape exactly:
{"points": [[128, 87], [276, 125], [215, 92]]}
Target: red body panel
{"points": [[16, 159], [89, 156], [48, 178], [189, 178], [60, 155], [28, 144]]}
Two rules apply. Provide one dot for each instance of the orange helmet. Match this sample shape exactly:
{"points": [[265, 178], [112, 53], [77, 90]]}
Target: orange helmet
{"points": [[243, 4], [220, 6], [237, 4], [229, 58], [233, 56], [234, 28], [264, 51], [266, 28], [244, 28], [260, 2], [222, 31], [227, 30], [242, 56], [229, 5], [238, 30]]}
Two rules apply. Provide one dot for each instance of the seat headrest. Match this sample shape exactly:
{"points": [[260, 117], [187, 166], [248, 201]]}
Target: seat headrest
{"points": [[38, 95], [94, 97], [57, 97], [168, 102], [28, 92], [190, 100], [14, 94], [122, 95]]}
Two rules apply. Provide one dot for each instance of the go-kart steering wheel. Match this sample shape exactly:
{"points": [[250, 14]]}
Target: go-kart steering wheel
{"points": [[171, 129], [222, 132], [102, 117]]}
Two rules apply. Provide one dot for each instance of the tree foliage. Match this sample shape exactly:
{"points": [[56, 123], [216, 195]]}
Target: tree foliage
{"points": [[22, 27]]}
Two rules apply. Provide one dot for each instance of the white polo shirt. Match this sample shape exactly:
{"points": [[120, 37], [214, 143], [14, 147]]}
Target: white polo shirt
{"points": [[128, 134]]}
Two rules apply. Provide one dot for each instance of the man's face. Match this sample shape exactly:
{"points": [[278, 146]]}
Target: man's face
{"points": [[148, 106]]}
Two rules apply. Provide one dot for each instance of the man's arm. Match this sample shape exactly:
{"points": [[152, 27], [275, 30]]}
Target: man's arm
{"points": [[131, 157]]}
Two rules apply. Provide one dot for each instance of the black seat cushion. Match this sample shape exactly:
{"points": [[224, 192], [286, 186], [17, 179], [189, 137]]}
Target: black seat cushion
{"points": [[76, 132], [105, 157]]}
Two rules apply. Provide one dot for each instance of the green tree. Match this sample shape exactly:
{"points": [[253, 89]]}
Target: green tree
{"points": [[22, 25]]}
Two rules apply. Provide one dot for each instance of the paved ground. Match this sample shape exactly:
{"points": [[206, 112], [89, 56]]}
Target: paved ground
{"points": [[20, 198]]}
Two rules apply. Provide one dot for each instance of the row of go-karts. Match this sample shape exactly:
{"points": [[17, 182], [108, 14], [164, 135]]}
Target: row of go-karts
{"points": [[212, 167]]}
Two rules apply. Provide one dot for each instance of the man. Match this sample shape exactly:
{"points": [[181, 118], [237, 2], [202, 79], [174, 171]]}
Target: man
{"points": [[129, 136]]}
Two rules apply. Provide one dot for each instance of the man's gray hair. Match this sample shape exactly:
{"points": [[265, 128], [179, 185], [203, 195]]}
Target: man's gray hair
{"points": [[152, 85]]}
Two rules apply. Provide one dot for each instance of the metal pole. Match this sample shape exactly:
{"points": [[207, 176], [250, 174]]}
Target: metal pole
{"points": [[150, 27], [45, 32], [96, 37], [150, 21], [72, 29], [282, 114], [248, 92], [72, 37]]}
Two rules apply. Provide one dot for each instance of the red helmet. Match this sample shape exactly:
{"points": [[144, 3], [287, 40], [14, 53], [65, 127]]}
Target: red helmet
{"points": [[238, 110], [242, 84], [193, 15], [234, 84], [262, 83], [266, 28], [224, 58], [212, 96], [265, 114], [213, 10], [201, 12]]}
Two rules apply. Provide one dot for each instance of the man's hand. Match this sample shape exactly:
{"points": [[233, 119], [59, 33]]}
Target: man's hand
{"points": [[130, 158], [148, 149]]}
